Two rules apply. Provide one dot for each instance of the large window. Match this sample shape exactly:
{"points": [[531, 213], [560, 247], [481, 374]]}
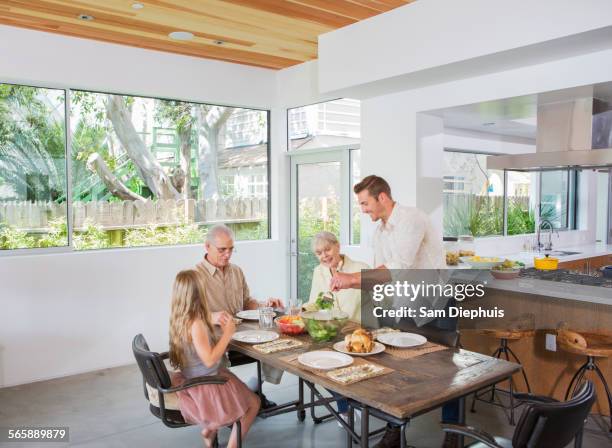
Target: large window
{"points": [[479, 202], [33, 206], [144, 171], [324, 125], [472, 196]]}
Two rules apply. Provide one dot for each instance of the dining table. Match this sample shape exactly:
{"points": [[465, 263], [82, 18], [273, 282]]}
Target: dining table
{"points": [[411, 388]]}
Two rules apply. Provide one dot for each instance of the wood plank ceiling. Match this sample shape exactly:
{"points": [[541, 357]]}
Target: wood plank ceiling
{"points": [[265, 33]]}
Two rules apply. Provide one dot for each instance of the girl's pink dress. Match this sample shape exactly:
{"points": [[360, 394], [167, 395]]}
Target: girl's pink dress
{"points": [[211, 405]]}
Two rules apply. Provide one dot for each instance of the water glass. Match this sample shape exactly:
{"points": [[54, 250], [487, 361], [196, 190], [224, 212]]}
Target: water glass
{"points": [[266, 317], [293, 307]]}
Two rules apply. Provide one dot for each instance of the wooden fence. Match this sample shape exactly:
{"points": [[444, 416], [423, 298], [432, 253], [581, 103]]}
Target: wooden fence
{"points": [[35, 216]]}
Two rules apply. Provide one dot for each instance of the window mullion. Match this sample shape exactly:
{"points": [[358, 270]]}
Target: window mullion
{"points": [[68, 155]]}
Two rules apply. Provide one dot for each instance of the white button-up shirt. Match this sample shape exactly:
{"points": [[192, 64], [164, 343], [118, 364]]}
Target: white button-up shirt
{"points": [[408, 241]]}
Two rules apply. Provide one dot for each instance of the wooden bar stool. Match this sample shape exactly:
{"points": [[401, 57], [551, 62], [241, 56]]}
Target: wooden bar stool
{"points": [[504, 335], [591, 345]]}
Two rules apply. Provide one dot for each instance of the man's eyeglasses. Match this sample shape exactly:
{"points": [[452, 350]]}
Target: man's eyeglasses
{"points": [[225, 250]]}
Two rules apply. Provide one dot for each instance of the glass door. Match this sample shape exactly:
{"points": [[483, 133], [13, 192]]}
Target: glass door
{"points": [[320, 197]]}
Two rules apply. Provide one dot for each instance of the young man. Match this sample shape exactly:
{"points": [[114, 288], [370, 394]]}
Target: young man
{"points": [[404, 239], [227, 289]]}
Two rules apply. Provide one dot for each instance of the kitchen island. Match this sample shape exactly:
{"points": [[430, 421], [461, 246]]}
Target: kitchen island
{"points": [[552, 303]]}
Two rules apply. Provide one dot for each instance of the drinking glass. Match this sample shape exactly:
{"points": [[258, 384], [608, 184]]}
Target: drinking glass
{"points": [[293, 307], [266, 317]]}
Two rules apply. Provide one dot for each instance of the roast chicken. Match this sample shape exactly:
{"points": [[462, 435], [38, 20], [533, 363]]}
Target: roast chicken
{"points": [[360, 341]]}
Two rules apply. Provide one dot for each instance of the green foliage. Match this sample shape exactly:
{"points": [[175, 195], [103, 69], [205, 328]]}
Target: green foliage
{"points": [[483, 216], [14, 238], [161, 236], [32, 141], [521, 219], [474, 215]]}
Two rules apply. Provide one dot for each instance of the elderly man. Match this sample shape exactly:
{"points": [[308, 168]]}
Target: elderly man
{"points": [[404, 239], [227, 289]]}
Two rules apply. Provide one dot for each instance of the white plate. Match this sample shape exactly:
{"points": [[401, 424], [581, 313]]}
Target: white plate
{"points": [[325, 360], [402, 340], [249, 314], [341, 347], [255, 336]]}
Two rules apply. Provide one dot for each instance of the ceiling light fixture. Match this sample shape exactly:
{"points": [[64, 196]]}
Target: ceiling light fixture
{"points": [[137, 6], [181, 35], [85, 17]]}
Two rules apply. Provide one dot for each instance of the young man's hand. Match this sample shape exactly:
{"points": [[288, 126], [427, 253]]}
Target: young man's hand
{"points": [[341, 280]]}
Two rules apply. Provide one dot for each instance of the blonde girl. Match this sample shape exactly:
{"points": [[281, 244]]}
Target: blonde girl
{"points": [[196, 351]]}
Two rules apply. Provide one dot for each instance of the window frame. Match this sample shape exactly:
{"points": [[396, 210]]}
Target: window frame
{"points": [[69, 248]]}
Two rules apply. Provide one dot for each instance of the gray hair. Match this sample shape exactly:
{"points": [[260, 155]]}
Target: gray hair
{"points": [[324, 239], [216, 230]]}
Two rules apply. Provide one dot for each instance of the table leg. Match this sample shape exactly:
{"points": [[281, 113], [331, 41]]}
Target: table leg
{"points": [[301, 413], [403, 435], [461, 418], [259, 382], [365, 427], [351, 422]]}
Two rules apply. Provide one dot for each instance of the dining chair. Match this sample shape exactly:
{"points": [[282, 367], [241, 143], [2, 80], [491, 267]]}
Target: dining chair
{"points": [[158, 390], [544, 423]]}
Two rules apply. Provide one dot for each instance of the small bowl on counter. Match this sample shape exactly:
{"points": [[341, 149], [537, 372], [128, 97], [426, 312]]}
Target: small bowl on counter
{"points": [[477, 262]]}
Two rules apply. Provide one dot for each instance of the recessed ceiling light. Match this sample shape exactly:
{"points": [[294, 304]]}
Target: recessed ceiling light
{"points": [[137, 6], [490, 123], [85, 17], [181, 35]]}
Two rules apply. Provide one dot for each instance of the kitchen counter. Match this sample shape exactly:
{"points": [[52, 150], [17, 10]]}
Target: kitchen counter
{"points": [[558, 290], [585, 251]]}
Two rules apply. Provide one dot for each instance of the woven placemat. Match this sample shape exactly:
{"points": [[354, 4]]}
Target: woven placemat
{"points": [[409, 353], [381, 370], [278, 345]]}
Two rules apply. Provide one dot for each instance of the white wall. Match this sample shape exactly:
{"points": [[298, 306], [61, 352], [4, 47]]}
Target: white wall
{"points": [[411, 41], [68, 313]]}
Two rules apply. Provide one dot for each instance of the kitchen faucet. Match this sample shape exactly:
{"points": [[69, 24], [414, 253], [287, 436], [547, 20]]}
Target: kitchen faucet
{"points": [[548, 245]]}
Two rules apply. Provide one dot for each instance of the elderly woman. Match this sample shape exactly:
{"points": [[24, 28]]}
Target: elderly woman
{"points": [[327, 249]]}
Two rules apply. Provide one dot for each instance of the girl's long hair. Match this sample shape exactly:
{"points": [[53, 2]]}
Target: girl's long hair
{"points": [[188, 304]]}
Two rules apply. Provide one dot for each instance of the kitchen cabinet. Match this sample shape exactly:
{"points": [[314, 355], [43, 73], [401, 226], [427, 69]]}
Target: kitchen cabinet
{"points": [[586, 264]]}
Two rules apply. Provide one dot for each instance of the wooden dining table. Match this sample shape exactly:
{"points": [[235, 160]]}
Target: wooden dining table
{"points": [[414, 387]]}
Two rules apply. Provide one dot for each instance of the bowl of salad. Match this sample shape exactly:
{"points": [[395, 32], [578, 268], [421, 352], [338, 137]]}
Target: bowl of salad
{"points": [[507, 270], [324, 325], [290, 325]]}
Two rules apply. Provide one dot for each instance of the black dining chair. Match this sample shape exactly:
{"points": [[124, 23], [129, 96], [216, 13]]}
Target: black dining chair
{"points": [[158, 390], [544, 423]]}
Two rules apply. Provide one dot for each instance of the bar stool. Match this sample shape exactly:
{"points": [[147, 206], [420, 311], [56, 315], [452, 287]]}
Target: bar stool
{"points": [[591, 345], [504, 335]]}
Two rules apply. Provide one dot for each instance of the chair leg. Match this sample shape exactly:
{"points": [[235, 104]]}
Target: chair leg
{"points": [[569, 387], [605, 383], [518, 361], [496, 354]]}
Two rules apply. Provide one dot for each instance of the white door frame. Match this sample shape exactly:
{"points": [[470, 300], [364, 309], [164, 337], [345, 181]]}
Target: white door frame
{"points": [[341, 155]]}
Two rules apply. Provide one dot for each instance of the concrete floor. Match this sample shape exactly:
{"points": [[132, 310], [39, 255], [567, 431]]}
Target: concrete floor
{"points": [[107, 409]]}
